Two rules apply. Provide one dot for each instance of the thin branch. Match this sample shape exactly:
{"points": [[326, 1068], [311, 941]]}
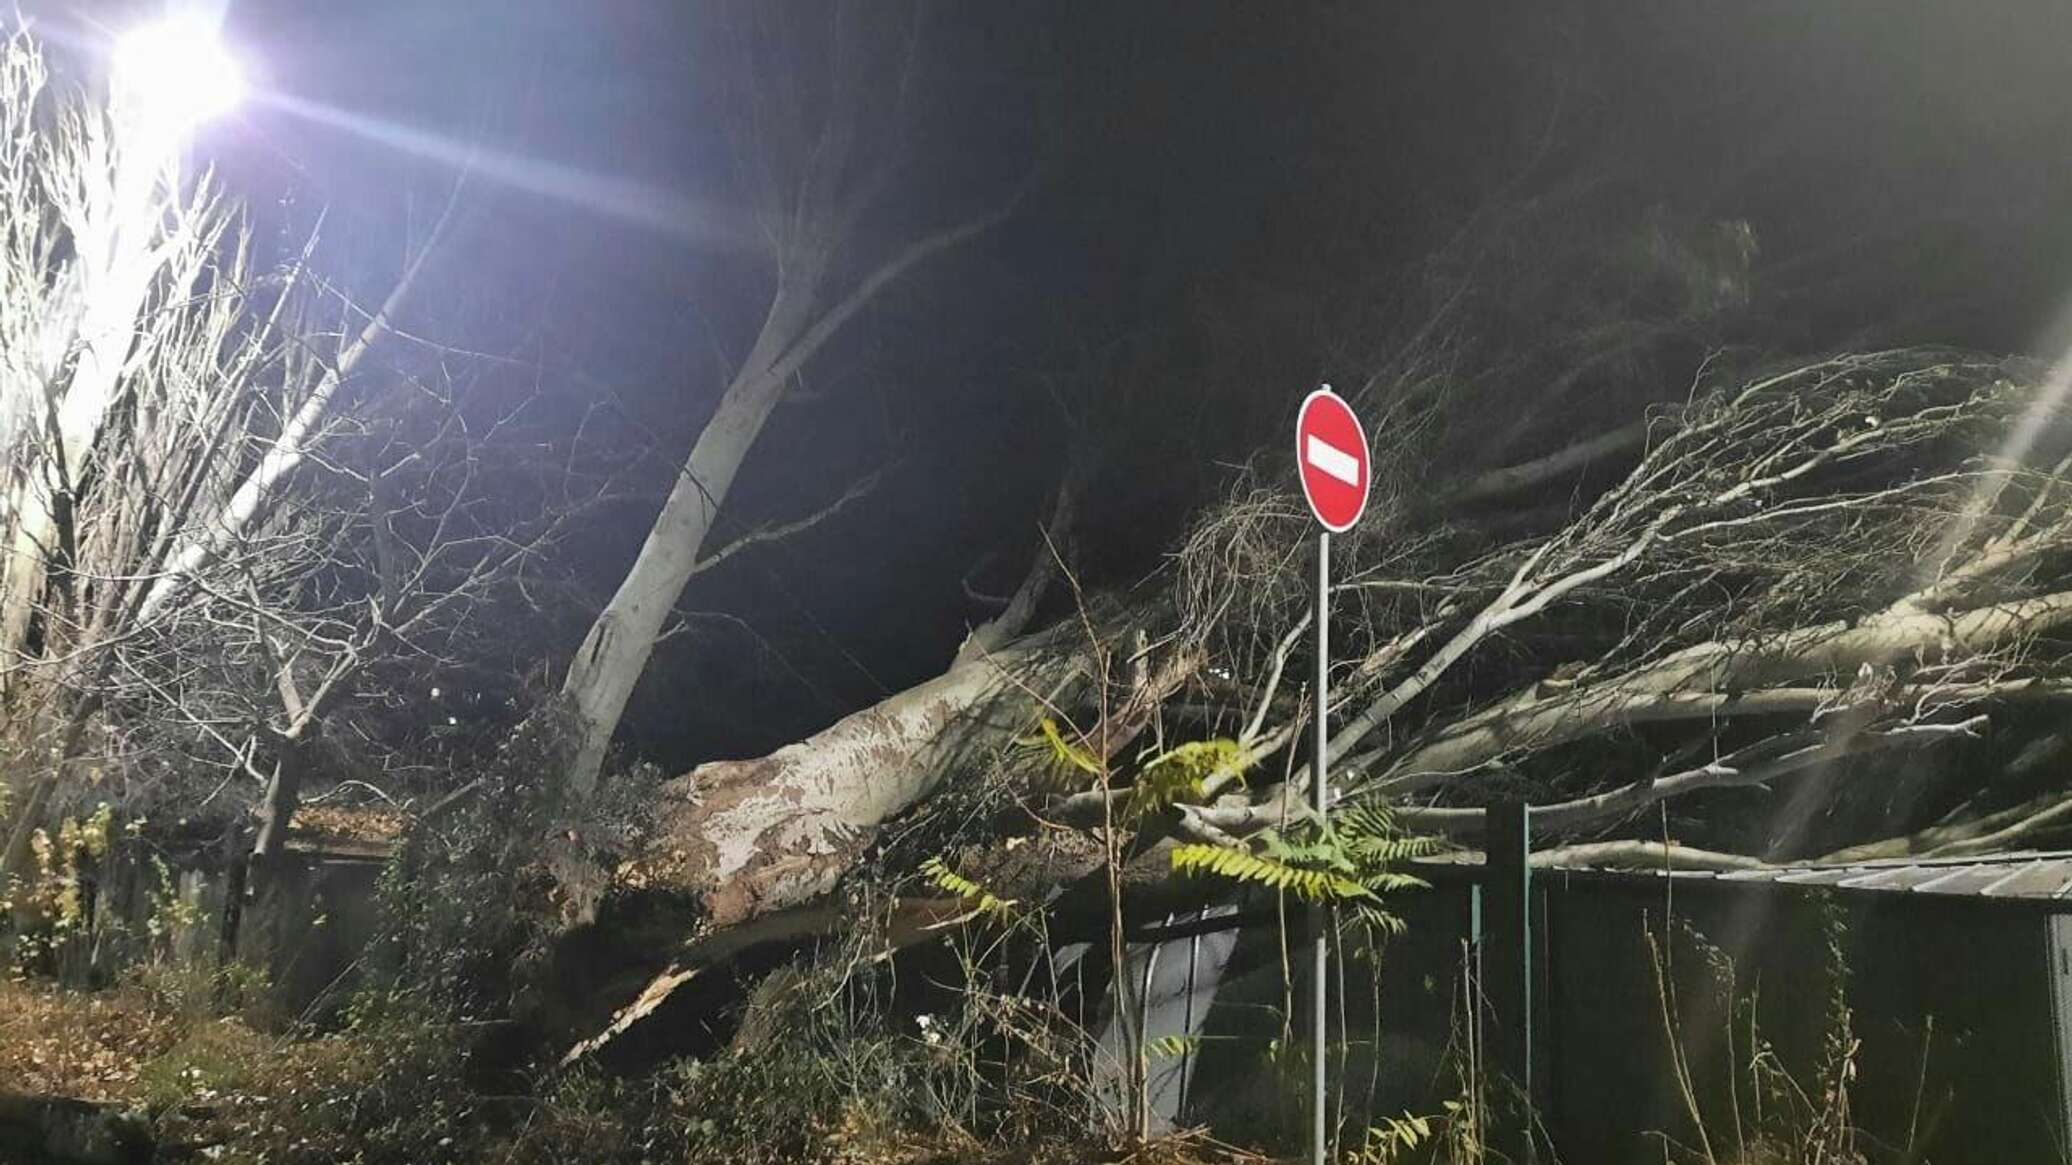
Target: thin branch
{"points": [[757, 537]]}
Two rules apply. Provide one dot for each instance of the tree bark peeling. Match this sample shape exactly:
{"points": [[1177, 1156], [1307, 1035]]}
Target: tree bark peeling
{"points": [[744, 837]]}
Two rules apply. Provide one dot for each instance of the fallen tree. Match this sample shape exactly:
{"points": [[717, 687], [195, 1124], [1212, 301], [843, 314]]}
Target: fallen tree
{"points": [[1808, 575]]}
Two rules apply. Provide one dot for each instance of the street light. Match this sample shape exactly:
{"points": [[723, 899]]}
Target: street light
{"points": [[172, 75]]}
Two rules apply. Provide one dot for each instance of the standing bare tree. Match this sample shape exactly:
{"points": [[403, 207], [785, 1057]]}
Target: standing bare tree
{"points": [[821, 131], [207, 548], [101, 232]]}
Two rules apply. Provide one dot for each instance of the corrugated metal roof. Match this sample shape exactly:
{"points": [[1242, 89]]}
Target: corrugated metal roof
{"points": [[2031, 874]]}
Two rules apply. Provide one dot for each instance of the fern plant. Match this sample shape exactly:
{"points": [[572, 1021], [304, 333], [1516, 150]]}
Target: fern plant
{"points": [[1240, 864], [1349, 858], [940, 875], [1183, 774], [1374, 844], [1453, 1134], [1395, 1139], [1066, 765]]}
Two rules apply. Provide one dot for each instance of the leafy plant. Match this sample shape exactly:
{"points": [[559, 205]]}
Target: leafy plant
{"points": [[983, 900], [1240, 864], [1171, 1047], [80, 842], [1183, 773], [1348, 859], [1394, 1138], [1066, 762], [1373, 840]]}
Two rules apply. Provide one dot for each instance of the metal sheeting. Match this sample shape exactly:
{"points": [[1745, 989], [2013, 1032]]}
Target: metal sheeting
{"points": [[2039, 874], [1173, 986]]}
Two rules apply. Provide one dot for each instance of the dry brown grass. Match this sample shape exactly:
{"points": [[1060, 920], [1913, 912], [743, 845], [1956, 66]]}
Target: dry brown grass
{"points": [[1183, 1148], [88, 1045], [216, 1082]]}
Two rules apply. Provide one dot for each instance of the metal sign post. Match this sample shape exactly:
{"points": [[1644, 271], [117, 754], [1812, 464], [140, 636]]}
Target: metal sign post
{"points": [[1331, 457], [1320, 800]]}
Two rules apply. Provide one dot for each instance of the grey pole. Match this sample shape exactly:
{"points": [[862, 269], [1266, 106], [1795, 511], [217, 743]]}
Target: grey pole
{"points": [[1508, 975], [1320, 800]]}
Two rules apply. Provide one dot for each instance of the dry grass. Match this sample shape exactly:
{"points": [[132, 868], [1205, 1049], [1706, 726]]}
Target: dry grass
{"points": [[1184, 1148], [92, 1046], [384, 1095]]}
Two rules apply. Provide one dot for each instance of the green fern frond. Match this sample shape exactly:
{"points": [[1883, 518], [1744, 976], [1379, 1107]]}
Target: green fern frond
{"points": [[1170, 1047], [1065, 761], [1242, 865], [1147, 797], [1394, 1138], [1381, 851], [1167, 1047], [983, 900], [1370, 818], [1324, 850], [1158, 787], [1202, 759], [1182, 774], [1378, 920], [1373, 839]]}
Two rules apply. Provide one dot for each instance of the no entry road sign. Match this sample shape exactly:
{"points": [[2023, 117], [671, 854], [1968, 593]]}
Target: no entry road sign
{"points": [[1331, 452]]}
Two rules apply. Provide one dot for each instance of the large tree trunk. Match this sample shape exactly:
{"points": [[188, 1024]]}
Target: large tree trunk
{"points": [[810, 218], [1759, 702], [1716, 680], [615, 651], [746, 837]]}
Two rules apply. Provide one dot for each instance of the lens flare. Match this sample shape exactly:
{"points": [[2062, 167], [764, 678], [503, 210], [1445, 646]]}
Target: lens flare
{"points": [[661, 211], [176, 73]]}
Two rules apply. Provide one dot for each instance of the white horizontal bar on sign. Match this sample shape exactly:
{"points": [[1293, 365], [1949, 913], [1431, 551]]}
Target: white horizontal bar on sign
{"points": [[1332, 460]]}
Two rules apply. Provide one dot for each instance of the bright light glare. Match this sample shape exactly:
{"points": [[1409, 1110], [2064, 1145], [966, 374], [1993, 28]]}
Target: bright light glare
{"points": [[175, 72]]}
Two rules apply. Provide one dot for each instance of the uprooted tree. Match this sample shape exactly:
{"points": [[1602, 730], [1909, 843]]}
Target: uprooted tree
{"points": [[1769, 608], [1697, 601]]}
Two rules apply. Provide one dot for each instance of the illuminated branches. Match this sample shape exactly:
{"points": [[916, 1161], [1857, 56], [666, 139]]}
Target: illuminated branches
{"points": [[1798, 570], [230, 539]]}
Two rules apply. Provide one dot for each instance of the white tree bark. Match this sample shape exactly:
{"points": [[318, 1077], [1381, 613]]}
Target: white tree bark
{"points": [[613, 654], [615, 651], [1701, 683], [123, 214], [288, 448], [745, 837]]}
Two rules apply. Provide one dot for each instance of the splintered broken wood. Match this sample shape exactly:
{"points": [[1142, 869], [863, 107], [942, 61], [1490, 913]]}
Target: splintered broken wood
{"points": [[912, 920]]}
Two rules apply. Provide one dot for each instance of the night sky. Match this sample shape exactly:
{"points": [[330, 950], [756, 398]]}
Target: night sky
{"points": [[1193, 169]]}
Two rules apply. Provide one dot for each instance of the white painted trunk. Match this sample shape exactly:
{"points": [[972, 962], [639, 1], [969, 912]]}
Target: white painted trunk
{"points": [[616, 650], [290, 447], [247, 501]]}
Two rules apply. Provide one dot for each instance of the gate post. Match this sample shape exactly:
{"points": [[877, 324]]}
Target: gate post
{"points": [[1507, 978]]}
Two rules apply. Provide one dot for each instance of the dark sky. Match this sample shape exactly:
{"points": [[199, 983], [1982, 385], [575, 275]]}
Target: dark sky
{"points": [[1186, 153]]}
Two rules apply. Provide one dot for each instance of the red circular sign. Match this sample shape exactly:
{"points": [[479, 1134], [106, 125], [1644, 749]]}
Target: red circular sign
{"points": [[1331, 453]]}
